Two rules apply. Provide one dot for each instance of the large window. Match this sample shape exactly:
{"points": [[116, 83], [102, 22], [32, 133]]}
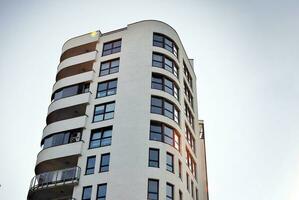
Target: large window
{"points": [[169, 191], [164, 107], [86, 194], [61, 138], [153, 189], [111, 47], [169, 162], [109, 67], [100, 137], [163, 133], [160, 82], [102, 190], [90, 163], [153, 160], [162, 61], [107, 88], [190, 138], [189, 115], [165, 42], [70, 91], [103, 112], [104, 165]]}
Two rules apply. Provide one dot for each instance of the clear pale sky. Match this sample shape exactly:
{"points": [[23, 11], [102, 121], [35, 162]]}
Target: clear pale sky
{"points": [[247, 62]]}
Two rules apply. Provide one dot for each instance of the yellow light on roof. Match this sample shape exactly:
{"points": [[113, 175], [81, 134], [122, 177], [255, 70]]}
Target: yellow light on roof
{"points": [[93, 34]]}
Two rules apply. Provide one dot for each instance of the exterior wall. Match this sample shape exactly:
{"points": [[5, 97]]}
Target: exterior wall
{"points": [[129, 172]]}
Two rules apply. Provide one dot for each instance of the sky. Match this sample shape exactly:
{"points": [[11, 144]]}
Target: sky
{"points": [[246, 56]]}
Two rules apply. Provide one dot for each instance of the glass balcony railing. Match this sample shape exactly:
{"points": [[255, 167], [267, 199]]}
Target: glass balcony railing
{"points": [[53, 178]]}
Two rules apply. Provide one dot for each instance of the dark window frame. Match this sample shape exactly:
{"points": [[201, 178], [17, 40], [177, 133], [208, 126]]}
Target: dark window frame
{"points": [[101, 138], [107, 88], [113, 49], [172, 191], [67, 136], [81, 89], [86, 187], [152, 160], [189, 115], [87, 168], [187, 75], [104, 167], [98, 189], [110, 69], [170, 166], [150, 192], [174, 47], [174, 67], [104, 112]]}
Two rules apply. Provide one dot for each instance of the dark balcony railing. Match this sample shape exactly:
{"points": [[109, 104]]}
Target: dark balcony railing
{"points": [[53, 178]]}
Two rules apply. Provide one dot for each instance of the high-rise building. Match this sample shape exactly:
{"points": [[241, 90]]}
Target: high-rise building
{"points": [[123, 122]]}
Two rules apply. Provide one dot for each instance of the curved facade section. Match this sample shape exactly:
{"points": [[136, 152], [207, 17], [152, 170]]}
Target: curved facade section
{"points": [[132, 100]]}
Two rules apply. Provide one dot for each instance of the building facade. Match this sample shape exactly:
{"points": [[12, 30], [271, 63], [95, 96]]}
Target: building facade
{"points": [[123, 120]]}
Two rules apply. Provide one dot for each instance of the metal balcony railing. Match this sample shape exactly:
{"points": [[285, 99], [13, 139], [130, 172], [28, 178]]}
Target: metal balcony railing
{"points": [[53, 178]]}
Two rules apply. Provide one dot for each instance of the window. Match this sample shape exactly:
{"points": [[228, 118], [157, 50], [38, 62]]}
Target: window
{"points": [[61, 138], [187, 181], [169, 192], [169, 162], [100, 137], [70, 91], [164, 107], [160, 82], [91, 161], [86, 194], [153, 189], [191, 163], [187, 75], [105, 159], [180, 195], [161, 61], [180, 169], [188, 94], [189, 115], [153, 160], [111, 47], [196, 194], [103, 112], [160, 40], [163, 133], [107, 88], [192, 189], [190, 138], [109, 67], [101, 193]]}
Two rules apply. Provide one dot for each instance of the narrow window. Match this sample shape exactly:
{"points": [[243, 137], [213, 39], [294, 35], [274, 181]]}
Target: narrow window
{"points": [[153, 189], [100, 137], [187, 182], [180, 195], [101, 193], [196, 194], [169, 192], [192, 189], [104, 112], [107, 88], [90, 165], [109, 67], [86, 194], [105, 159], [111, 47], [169, 162], [153, 157], [180, 169]]}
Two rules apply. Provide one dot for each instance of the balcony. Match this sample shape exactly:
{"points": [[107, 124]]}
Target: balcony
{"points": [[54, 184], [80, 40], [66, 113], [58, 157], [78, 50], [69, 124], [74, 70]]}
